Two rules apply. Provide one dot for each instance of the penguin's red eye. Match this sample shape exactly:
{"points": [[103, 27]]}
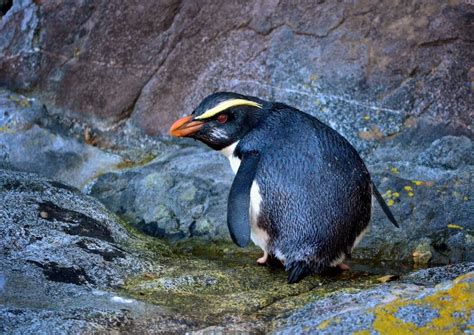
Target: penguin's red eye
{"points": [[222, 118]]}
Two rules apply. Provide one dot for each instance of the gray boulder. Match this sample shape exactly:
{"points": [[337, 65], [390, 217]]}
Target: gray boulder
{"points": [[60, 251], [404, 306], [179, 195], [30, 141]]}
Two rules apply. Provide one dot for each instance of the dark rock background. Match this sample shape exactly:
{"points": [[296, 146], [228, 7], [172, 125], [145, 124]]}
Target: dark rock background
{"points": [[88, 90]]}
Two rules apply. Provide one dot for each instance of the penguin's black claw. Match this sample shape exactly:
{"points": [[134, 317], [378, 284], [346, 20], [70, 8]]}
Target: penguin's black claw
{"points": [[298, 271]]}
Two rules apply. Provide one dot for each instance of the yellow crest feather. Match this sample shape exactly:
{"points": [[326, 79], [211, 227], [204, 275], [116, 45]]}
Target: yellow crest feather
{"points": [[222, 106]]}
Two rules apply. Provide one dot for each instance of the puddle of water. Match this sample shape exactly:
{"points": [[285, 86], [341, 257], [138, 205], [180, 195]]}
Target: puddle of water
{"points": [[215, 282]]}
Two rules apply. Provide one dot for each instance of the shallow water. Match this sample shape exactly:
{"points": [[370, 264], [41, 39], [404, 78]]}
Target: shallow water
{"points": [[215, 283]]}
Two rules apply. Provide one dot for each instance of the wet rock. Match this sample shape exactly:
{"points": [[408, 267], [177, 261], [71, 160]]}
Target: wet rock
{"points": [[62, 233], [405, 306], [60, 251]]}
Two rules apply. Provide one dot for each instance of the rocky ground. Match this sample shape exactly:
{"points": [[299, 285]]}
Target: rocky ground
{"points": [[73, 264], [69, 266], [107, 224]]}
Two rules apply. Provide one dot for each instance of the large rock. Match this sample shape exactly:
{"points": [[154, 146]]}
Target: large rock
{"points": [[30, 141], [149, 63], [426, 175], [394, 78], [60, 251], [404, 307], [180, 194]]}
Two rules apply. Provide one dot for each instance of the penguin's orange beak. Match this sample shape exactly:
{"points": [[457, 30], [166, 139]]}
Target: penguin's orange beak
{"points": [[185, 127]]}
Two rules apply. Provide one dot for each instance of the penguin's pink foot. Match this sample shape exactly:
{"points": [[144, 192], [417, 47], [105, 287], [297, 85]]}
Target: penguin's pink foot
{"points": [[343, 267], [263, 260]]}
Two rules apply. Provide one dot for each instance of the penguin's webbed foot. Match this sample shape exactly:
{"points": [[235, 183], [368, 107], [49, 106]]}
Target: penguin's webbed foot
{"points": [[343, 267], [270, 260], [263, 260]]}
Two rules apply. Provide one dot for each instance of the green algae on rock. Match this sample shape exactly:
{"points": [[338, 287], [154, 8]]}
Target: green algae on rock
{"points": [[216, 281]]}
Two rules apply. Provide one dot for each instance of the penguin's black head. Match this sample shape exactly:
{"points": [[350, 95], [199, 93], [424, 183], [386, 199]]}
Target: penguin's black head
{"points": [[220, 119]]}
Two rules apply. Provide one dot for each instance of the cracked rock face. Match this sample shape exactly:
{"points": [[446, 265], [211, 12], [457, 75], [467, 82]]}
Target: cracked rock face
{"points": [[149, 63], [61, 233]]}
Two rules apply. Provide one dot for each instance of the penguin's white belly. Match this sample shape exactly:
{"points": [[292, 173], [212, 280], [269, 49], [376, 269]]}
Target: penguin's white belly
{"points": [[258, 235]]}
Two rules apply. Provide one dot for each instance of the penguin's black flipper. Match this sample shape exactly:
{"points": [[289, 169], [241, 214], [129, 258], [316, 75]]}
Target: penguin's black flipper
{"points": [[298, 270], [238, 219], [384, 206]]}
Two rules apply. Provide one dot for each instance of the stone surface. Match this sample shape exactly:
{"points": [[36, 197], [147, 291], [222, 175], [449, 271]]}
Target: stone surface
{"points": [[19, 45], [178, 195], [59, 252], [149, 63], [28, 143], [395, 78], [62, 233], [68, 265], [431, 198], [403, 308]]}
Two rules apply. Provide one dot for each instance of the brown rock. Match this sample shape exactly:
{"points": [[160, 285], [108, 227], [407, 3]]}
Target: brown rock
{"points": [[150, 62]]}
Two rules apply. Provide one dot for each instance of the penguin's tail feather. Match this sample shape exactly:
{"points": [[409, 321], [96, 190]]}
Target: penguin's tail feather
{"points": [[384, 205], [297, 271]]}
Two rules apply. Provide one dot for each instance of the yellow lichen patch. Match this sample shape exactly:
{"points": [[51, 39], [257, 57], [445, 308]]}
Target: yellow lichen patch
{"points": [[20, 101], [323, 325], [408, 188], [394, 170], [417, 182], [366, 117], [388, 278], [454, 226], [466, 198], [362, 332], [387, 194], [390, 202], [395, 195], [454, 306], [411, 194], [128, 163]]}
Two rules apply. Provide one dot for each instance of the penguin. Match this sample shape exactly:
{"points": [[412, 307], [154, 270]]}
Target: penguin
{"points": [[301, 191]]}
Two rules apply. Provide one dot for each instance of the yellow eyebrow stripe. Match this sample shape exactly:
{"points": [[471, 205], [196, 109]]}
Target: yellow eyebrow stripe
{"points": [[220, 107]]}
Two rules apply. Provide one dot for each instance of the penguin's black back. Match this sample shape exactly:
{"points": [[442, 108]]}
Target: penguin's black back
{"points": [[315, 188]]}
